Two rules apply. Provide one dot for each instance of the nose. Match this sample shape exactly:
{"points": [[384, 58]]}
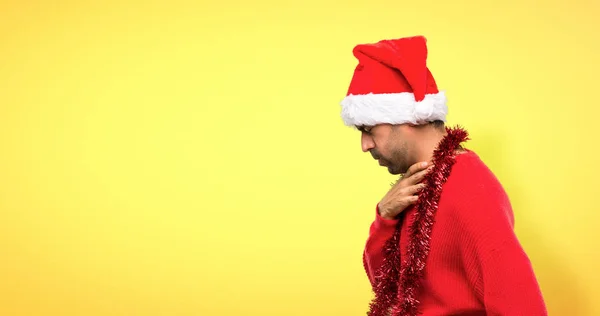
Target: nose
{"points": [[366, 142]]}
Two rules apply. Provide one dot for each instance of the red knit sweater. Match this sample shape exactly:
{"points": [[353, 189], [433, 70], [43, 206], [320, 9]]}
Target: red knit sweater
{"points": [[476, 265]]}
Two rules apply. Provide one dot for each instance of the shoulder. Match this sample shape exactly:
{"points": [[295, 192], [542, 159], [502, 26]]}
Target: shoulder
{"points": [[473, 192], [469, 167]]}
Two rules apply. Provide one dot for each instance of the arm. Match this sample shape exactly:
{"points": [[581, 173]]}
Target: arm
{"points": [[495, 261], [380, 231], [402, 195]]}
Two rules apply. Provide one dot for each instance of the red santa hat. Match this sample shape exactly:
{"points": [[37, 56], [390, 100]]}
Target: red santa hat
{"points": [[392, 84]]}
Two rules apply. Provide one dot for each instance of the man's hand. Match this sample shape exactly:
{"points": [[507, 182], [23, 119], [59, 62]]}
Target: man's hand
{"points": [[405, 192]]}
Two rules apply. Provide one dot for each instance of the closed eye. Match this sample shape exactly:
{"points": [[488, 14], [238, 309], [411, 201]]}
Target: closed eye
{"points": [[365, 129]]}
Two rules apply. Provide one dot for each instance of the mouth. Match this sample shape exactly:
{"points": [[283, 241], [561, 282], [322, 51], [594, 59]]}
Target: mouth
{"points": [[380, 160]]}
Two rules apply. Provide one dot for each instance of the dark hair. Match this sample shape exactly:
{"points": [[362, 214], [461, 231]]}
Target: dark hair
{"points": [[439, 124]]}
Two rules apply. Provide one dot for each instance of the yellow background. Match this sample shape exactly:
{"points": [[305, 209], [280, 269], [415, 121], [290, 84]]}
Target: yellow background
{"points": [[187, 158]]}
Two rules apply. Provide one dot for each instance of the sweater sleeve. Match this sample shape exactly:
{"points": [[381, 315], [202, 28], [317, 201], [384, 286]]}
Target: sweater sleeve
{"points": [[380, 231], [495, 261]]}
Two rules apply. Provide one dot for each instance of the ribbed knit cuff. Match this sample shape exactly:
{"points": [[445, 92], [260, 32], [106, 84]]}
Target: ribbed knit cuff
{"points": [[384, 223]]}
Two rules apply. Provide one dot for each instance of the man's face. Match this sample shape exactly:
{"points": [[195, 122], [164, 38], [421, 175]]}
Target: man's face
{"points": [[390, 145]]}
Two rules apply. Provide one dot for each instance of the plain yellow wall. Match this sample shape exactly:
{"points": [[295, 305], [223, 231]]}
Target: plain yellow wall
{"points": [[188, 158]]}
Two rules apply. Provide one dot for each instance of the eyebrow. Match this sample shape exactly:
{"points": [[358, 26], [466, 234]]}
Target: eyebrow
{"points": [[363, 129]]}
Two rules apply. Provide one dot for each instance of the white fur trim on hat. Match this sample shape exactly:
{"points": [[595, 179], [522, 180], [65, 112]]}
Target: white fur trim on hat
{"points": [[393, 108]]}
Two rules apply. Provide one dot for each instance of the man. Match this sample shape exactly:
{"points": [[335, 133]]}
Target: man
{"points": [[442, 240]]}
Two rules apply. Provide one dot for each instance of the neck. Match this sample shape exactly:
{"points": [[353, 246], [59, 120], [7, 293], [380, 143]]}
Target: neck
{"points": [[429, 139]]}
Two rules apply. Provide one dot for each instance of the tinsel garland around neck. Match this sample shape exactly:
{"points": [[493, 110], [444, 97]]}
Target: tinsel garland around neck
{"points": [[397, 283]]}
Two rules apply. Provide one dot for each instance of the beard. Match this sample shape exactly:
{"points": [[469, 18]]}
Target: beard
{"points": [[397, 168], [397, 163]]}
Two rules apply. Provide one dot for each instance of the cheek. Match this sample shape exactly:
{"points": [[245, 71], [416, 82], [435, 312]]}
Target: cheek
{"points": [[398, 152], [385, 149]]}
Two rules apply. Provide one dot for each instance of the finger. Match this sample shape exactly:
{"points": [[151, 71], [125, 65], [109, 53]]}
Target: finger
{"points": [[409, 200], [418, 176], [415, 168], [414, 189]]}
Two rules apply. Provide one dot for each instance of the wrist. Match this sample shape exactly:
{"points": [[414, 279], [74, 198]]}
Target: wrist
{"points": [[383, 211], [382, 217]]}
